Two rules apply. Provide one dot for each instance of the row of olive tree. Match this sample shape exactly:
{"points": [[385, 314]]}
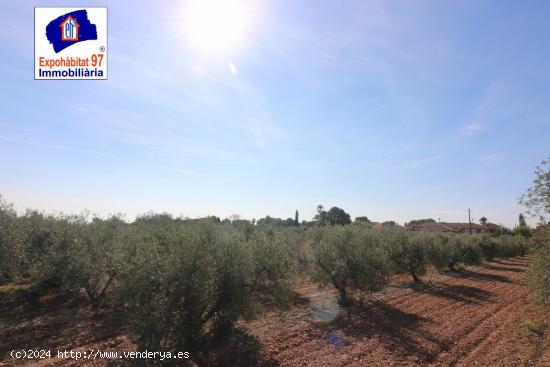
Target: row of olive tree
{"points": [[181, 284], [359, 258], [349, 258]]}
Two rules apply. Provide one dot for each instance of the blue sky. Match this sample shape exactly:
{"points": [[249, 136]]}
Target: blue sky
{"points": [[390, 109]]}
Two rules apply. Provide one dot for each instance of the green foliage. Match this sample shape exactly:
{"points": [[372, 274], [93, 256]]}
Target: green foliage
{"points": [[534, 327], [272, 263], [438, 251], [537, 197], [449, 250], [524, 231], [95, 259], [278, 222], [539, 273], [409, 252], [55, 242], [452, 250], [390, 223], [186, 288], [422, 221], [362, 220], [350, 258], [489, 247], [11, 251], [512, 246], [70, 252], [335, 216], [463, 249]]}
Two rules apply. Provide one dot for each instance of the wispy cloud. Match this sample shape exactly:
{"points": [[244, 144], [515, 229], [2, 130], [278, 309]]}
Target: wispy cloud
{"points": [[497, 103], [494, 96], [488, 158], [473, 129]]}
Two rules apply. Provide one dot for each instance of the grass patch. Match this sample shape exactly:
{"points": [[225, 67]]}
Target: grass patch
{"points": [[534, 327]]}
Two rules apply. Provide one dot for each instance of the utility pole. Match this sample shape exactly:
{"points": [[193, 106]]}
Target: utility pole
{"points": [[470, 220]]}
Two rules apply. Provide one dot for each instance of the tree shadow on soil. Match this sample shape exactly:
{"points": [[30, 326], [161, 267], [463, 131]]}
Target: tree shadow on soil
{"points": [[401, 332], [484, 277], [66, 321], [243, 349], [511, 262], [459, 293], [61, 319], [502, 268], [20, 306]]}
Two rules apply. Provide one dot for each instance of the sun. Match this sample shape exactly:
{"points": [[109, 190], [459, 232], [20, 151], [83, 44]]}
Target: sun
{"points": [[216, 26]]}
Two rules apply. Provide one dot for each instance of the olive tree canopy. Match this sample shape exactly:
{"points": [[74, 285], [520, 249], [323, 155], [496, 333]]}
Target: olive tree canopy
{"points": [[537, 197]]}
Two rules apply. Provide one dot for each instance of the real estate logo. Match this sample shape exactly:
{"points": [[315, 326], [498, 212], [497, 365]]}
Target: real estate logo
{"points": [[69, 29], [70, 43]]}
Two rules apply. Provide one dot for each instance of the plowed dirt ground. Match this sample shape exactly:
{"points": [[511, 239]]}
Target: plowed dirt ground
{"points": [[473, 318]]}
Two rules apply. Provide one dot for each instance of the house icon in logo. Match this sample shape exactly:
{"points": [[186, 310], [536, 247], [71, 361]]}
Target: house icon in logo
{"points": [[69, 29]]}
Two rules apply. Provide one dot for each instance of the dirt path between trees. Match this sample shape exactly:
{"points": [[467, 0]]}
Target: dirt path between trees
{"points": [[472, 319]]}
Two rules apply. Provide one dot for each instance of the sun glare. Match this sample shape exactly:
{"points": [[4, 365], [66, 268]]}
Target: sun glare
{"points": [[216, 26]]}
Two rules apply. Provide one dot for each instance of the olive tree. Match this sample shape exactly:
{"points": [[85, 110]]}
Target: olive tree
{"points": [[511, 246], [438, 252], [53, 242], [12, 254], [409, 252], [462, 249], [186, 289], [94, 259], [350, 258], [489, 247], [272, 264]]}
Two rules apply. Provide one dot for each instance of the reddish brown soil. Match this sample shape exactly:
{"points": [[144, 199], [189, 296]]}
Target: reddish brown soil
{"points": [[475, 318], [56, 322], [472, 319]]}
